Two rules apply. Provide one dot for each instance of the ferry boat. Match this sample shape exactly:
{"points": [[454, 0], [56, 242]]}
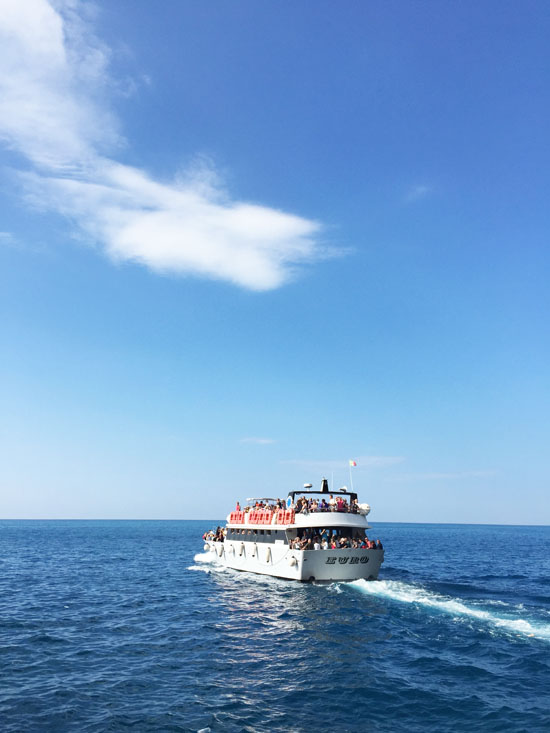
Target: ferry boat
{"points": [[271, 540]]}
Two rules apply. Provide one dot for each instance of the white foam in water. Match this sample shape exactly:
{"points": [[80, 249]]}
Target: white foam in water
{"points": [[405, 593], [205, 557], [207, 563]]}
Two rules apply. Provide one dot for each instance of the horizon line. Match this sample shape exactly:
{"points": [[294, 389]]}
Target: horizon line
{"points": [[181, 519]]}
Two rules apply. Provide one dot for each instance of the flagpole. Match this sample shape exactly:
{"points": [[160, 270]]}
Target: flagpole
{"points": [[350, 478]]}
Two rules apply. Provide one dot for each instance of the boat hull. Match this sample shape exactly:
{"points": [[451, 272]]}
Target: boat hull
{"points": [[280, 561]]}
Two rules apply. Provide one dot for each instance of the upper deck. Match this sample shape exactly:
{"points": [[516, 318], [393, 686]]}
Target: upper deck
{"points": [[342, 510], [289, 518]]}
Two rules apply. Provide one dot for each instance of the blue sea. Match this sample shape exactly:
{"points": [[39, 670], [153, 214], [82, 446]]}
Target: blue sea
{"points": [[118, 625]]}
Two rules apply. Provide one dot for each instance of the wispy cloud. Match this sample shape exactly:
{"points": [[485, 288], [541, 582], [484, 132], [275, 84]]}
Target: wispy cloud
{"points": [[54, 83], [331, 464], [53, 78], [7, 238], [258, 441], [417, 192], [441, 476]]}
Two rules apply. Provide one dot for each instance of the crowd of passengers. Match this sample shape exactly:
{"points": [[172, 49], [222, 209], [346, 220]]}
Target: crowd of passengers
{"points": [[324, 540], [262, 505], [215, 536], [305, 506], [338, 504]]}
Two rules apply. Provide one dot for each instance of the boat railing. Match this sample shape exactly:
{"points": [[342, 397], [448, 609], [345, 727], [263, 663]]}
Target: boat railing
{"points": [[263, 517]]}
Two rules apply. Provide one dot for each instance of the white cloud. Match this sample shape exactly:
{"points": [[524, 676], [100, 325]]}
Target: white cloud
{"points": [[53, 85], [378, 461], [441, 476], [6, 238], [52, 76], [415, 193], [343, 463], [258, 441]]}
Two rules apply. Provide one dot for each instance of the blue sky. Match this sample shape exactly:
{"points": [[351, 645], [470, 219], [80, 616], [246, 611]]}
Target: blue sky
{"points": [[242, 243]]}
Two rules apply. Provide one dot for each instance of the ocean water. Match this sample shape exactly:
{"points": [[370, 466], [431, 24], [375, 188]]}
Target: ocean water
{"points": [[117, 625]]}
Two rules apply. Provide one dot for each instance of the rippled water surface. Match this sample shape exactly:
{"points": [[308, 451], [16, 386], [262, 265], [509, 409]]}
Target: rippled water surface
{"points": [[107, 626]]}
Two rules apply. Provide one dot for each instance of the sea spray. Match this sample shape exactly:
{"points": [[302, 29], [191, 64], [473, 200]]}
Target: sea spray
{"points": [[206, 562], [205, 557]]}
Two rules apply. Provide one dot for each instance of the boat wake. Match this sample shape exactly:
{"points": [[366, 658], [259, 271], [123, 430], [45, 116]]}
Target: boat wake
{"points": [[404, 593], [206, 561]]}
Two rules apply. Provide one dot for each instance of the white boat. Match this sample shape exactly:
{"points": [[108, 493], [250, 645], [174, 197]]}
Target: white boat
{"points": [[272, 541]]}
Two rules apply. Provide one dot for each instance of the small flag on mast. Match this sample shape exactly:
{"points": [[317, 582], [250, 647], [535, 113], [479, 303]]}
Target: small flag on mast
{"points": [[352, 463]]}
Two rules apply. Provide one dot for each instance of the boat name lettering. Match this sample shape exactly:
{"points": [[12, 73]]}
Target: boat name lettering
{"points": [[343, 560]]}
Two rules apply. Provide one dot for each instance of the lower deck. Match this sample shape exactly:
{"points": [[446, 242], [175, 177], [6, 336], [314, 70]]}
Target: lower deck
{"points": [[279, 559]]}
